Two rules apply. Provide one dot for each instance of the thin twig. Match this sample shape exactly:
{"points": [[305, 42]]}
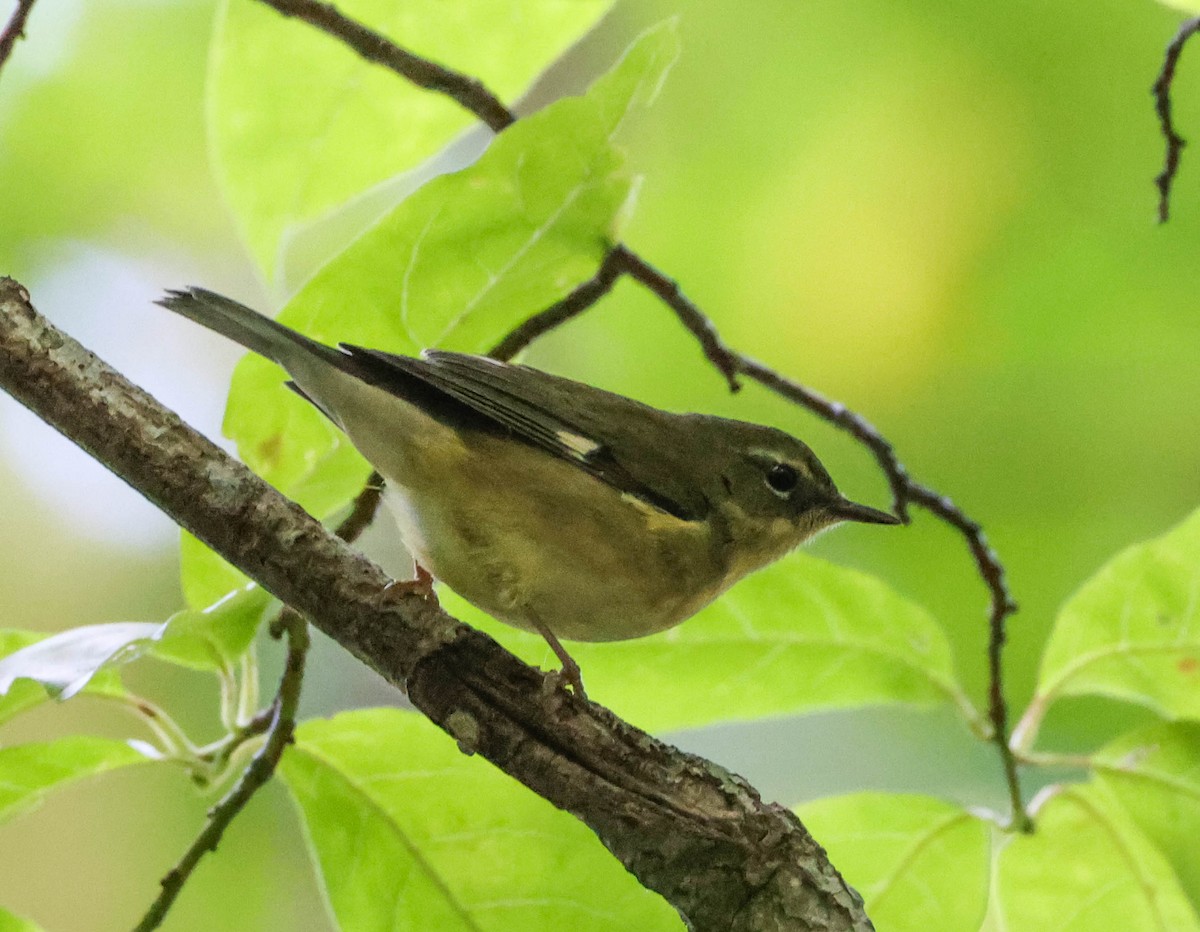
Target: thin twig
{"points": [[363, 512], [905, 491], [574, 304], [472, 96], [15, 29], [1162, 106], [257, 773], [372, 46], [698, 324]]}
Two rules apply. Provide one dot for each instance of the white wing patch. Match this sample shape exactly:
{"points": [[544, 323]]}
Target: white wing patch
{"points": [[579, 446]]}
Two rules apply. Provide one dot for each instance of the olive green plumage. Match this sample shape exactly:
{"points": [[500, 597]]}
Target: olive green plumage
{"points": [[550, 504]]}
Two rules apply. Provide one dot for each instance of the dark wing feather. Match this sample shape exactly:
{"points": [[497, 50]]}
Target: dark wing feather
{"points": [[567, 419]]}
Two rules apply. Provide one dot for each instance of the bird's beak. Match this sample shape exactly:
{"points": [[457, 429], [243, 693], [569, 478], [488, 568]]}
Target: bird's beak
{"points": [[845, 510]]}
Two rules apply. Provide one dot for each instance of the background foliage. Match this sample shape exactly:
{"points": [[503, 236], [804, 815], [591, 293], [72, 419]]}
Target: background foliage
{"points": [[939, 214]]}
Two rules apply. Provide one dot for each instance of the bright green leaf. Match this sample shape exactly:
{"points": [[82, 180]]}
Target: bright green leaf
{"points": [[798, 636], [11, 923], [1154, 774], [28, 772], [300, 124], [1133, 630], [64, 663], [918, 863], [411, 834], [19, 692], [1086, 868], [205, 576], [459, 263], [212, 638]]}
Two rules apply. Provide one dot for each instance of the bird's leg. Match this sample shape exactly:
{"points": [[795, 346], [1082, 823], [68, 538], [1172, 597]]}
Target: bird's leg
{"points": [[570, 669], [421, 584]]}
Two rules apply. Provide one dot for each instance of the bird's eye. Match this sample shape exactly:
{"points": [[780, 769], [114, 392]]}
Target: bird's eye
{"points": [[782, 478]]}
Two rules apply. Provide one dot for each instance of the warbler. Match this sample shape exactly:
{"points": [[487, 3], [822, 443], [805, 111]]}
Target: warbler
{"points": [[549, 504]]}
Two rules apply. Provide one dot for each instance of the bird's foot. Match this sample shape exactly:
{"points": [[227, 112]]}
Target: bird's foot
{"points": [[569, 675], [422, 585], [564, 677]]}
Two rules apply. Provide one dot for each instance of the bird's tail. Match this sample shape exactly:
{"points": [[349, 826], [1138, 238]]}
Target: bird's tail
{"points": [[246, 326]]}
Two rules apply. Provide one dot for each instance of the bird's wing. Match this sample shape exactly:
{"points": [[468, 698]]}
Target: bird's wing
{"points": [[570, 420]]}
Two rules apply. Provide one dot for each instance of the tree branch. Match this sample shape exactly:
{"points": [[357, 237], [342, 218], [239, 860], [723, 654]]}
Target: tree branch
{"points": [[372, 46], [1162, 106], [696, 834], [15, 29], [260, 770]]}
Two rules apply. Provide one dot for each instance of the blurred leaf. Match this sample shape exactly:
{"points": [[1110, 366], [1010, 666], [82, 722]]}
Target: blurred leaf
{"points": [[127, 107], [21, 694], [300, 123], [11, 923], [64, 663], [205, 576], [18, 694], [409, 833], [918, 863], [1133, 630], [1154, 774], [1086, 867], [28, 772], [462, 261], [798, 636], [287, 441]]}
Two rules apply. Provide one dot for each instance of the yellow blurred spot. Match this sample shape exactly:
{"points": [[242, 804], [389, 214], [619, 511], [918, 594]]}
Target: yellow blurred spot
{"points": [[859, 252]]}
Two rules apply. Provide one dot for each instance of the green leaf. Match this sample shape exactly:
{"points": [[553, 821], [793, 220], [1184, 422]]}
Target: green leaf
{"points": [[211, 638], [205, 576], [460, 262], [11, 923], [918, 863], [1133, 630], [798, 636], [17, 694], [1086, 867], [300, 123], [65, 663], [288, 442], [28, 772], [411, 834], [1154, 774]]}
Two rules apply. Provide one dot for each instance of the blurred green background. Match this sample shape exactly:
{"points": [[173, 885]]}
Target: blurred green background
{"points": [[939, 213]]}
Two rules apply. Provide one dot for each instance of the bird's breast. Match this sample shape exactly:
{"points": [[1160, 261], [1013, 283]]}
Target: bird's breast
{"points": [[530, 539]]}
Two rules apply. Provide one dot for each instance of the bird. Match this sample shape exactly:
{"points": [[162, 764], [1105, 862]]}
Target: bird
{"points": [[552, 505]]}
